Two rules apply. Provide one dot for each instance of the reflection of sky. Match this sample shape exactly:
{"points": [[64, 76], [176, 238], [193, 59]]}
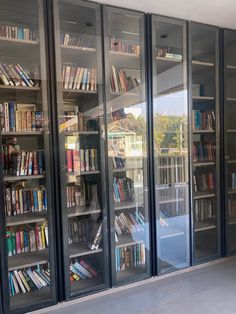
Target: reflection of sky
{"points": [[137, 110], [174, 104]]}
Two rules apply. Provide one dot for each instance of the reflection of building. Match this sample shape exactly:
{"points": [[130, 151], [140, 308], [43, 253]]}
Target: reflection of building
{"points": [[124, 142]]}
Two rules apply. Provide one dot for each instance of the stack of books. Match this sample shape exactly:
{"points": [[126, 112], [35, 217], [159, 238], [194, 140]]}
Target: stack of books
{"points": [[70, 39], [204, 182], [121, 82], [84, 194], [123, 189], [129, 223], [86, 232], [203, 120], [18, 32], [120, 45], [29, 279], [20, 117], [27, 238], [22, 163], [20, 199], [205, 209], [204, 151], [15, 75], [130, 256], [74, 77], [81, 160], [80, 269]]}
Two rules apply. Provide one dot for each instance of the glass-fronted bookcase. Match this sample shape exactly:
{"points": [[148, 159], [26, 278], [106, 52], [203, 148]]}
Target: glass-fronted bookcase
{"points": [[229, 114], [80, 113], [25, 141], [170, 142], [126, 117], [205, 141]]}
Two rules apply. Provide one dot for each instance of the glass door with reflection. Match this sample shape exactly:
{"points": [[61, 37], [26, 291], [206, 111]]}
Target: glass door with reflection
{"points": [[204, 96], [127, 143], [80, 108], [171, 149], [229, 106], [25, 139]]}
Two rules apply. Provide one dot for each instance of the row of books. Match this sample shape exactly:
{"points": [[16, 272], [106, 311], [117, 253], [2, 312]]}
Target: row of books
{"points": [[27, 238], [20, 199], [22, 163], [129, 223], [169, 52], [233, 180], [81, 269], [78, 121], [74, 77], [83, 195], [204, 182], [18, 32], [15, 75], [172, 169], [123, 188], [121, 82], [28, 279], [203, 120], [85, 231], [204, 209], [203, 151], [81, 160], [20, 117], [129, 256], [70, 39], [118, 162], [121, 45]]}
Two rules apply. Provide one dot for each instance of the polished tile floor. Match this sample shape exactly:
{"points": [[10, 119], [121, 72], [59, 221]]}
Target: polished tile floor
{"points": [[211, 289]]}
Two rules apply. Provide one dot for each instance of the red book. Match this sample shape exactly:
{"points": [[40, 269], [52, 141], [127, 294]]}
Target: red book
{"points": [[76, 161], [69, 161], [35, 163], [18, 242]]}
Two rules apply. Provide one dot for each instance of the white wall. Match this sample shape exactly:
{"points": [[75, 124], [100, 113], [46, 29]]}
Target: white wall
{"points": [[216, 12]]}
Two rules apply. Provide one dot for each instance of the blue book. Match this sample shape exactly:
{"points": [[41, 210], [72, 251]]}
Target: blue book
{"points": [[20, 32], [35, 201], [12, 116], [40, 161]]}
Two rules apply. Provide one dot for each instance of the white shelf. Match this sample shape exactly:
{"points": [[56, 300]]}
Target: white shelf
{"points": [[204, 226], [202, 63]]}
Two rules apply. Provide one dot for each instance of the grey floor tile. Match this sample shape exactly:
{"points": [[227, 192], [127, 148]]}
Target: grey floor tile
{"points": [[211, 290]]}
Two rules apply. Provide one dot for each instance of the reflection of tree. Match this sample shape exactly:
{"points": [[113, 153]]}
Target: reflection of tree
{"points": [[169, 131], [131, 123]]}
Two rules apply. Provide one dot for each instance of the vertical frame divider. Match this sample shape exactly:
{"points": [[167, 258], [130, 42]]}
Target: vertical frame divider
{"points": [[218, 140], [105, 160], [55, 157], [3, 246], [190, 106], [151, 161], [224, 219], [108, 161]]}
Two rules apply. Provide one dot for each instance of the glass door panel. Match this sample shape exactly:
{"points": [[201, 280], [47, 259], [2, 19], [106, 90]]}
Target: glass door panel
{"points": [[80, 108], [229, 137], [171, 149], [127, 143], [25, 146], [204, 50]]}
